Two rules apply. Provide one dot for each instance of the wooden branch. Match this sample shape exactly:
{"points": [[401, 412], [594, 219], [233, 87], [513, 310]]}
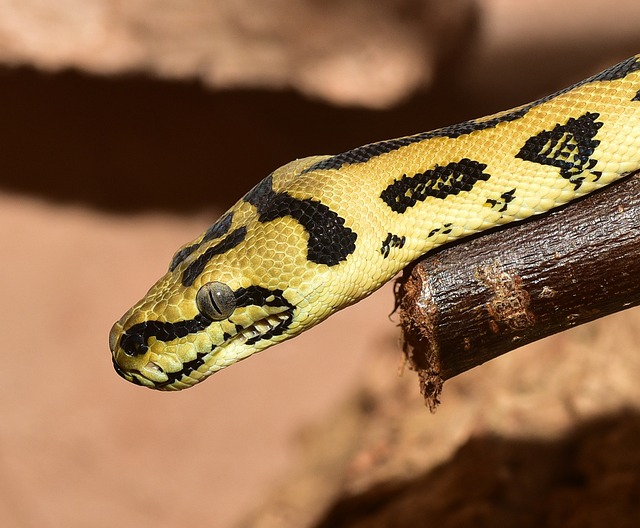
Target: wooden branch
{"points": [[485, 296]]}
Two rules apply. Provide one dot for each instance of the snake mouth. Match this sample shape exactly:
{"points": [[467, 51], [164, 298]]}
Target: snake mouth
{"points": [[239, 345], [270, 326]]}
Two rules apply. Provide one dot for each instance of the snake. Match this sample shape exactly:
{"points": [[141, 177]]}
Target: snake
{"points": [[323, 232]]}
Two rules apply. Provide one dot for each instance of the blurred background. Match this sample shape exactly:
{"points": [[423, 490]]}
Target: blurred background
{"points": [[128, 127]]}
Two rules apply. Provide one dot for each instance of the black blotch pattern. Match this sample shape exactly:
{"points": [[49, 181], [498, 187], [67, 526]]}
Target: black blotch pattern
{"points": [[260, 195], [637, 96], [392, 241], [366, 152], [187, 368], [194, 269], [439, 182], [505, 199], [135, 340], [445, 230], [568, 146], [181, 255], [220, 228], [330, 241], [259, 296], [618, 71]]}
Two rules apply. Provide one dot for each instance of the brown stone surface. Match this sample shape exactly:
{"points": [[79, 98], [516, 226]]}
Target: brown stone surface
{"points": [[102, 179]]}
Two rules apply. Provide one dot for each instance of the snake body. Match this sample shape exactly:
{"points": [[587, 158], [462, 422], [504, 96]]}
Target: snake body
{"points": [[323, 232]]}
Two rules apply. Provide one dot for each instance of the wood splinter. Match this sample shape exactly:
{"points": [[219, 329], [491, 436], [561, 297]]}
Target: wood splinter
{"points": [[478, 299]]}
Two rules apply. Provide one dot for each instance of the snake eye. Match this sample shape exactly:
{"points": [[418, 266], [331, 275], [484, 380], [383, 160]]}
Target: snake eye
{"points": [[216, 300]]}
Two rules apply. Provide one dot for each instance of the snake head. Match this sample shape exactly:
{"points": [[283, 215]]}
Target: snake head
{"points": [[220, 302], [240, 287], [275, 264]]}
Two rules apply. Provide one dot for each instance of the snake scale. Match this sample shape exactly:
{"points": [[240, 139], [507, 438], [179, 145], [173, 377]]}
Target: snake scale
{"points": [[323, 232]]}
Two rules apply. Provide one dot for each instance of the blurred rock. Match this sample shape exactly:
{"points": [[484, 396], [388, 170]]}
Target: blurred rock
{"points": [[350, 53]]}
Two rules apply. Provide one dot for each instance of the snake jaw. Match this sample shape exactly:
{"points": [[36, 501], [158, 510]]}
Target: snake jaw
{"points": [[238, 344], [271, 325], [174, 356]]}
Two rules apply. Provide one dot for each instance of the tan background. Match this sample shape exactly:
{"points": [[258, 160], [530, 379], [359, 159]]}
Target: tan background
{"points": [[127, 127]]}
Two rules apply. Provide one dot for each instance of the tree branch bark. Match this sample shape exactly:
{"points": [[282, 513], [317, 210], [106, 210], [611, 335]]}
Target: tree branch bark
{"points": [[485, 296]]}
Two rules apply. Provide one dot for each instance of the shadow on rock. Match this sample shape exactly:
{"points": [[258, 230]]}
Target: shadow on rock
{"points": [[590, 477]]}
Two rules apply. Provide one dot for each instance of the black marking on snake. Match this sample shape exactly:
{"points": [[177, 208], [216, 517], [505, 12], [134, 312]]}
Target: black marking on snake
{"points": [[392, 241], [366, 152], [261, 194], [618, 71], [330, 241], [444, 230], [193, 270], [181, 255], [135, 341], [258, 296], [439, 182], [218, 229], [568, 146], [187, 368], [505, 199]]}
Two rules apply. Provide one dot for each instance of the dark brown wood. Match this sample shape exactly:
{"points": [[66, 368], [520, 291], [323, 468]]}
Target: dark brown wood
{"points": [[471, 302]]}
